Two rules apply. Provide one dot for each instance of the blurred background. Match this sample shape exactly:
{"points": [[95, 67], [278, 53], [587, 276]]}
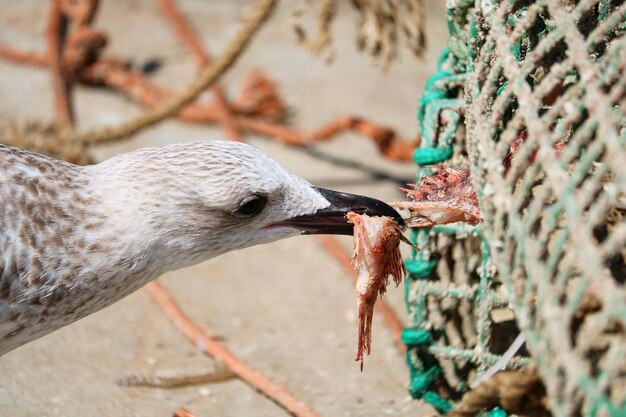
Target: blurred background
{"points": [[288, 308]]}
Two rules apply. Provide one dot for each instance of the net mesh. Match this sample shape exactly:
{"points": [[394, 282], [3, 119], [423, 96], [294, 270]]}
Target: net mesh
{"points": [[529, 96]]}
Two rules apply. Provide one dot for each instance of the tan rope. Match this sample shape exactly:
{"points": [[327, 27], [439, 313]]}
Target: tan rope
{"points": [[518, 392], [206, 78]]}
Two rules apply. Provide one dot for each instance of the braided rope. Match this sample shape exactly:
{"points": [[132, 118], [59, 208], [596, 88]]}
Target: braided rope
{"points": [[206, 78]]}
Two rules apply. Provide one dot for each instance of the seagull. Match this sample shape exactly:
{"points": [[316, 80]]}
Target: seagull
{"points": [[75, 239]]}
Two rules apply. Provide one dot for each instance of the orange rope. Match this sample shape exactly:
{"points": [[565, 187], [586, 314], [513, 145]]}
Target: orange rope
{"points": [[183, 412], [217, 350], [56, 35]]}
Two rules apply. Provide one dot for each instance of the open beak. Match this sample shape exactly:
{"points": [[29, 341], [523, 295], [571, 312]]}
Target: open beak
{"points": [[332, 219]]}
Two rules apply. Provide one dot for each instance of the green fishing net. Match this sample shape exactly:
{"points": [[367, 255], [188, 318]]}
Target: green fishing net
{"points": [[529, 95]]}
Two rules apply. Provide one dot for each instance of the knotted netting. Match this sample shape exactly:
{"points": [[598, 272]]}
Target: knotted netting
{"points": [[529, 96]]}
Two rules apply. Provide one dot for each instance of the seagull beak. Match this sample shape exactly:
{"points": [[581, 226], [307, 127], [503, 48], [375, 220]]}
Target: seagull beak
{"points": [[332, 219]]}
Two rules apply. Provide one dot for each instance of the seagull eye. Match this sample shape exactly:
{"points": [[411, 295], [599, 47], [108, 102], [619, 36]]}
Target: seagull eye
{"points": [[252, 206]]}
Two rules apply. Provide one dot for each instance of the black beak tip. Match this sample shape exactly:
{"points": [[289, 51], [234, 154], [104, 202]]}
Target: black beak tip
{"points": [[345, 203], [332, 219]]}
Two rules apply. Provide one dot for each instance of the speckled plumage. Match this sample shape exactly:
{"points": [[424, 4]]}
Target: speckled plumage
{"points": [[74, 240]]}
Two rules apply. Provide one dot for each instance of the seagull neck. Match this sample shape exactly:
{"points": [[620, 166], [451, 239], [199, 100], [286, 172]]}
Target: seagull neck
{"points": [[144, 228]]}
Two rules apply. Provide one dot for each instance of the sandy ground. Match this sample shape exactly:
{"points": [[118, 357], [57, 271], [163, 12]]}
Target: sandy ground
{"points": [[287, 308]]}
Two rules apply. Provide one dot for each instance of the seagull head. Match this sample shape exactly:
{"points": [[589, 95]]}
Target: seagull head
{"points": [[202, 199]]}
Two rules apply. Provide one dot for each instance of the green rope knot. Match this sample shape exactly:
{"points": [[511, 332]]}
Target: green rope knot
{"points": [[418, 388], [429, 96], [438, 402], [416, 337], [420, 268], [431, 156], [422, 380], [497, 412]]}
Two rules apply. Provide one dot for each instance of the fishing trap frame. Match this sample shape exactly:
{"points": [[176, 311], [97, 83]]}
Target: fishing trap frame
{"points": [[530, 96]]}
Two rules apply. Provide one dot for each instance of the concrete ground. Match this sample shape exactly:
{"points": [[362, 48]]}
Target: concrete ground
{"points": [[287, 308]]}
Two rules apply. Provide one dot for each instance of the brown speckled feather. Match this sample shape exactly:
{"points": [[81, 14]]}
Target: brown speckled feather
{"points": [[42, 210]]}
